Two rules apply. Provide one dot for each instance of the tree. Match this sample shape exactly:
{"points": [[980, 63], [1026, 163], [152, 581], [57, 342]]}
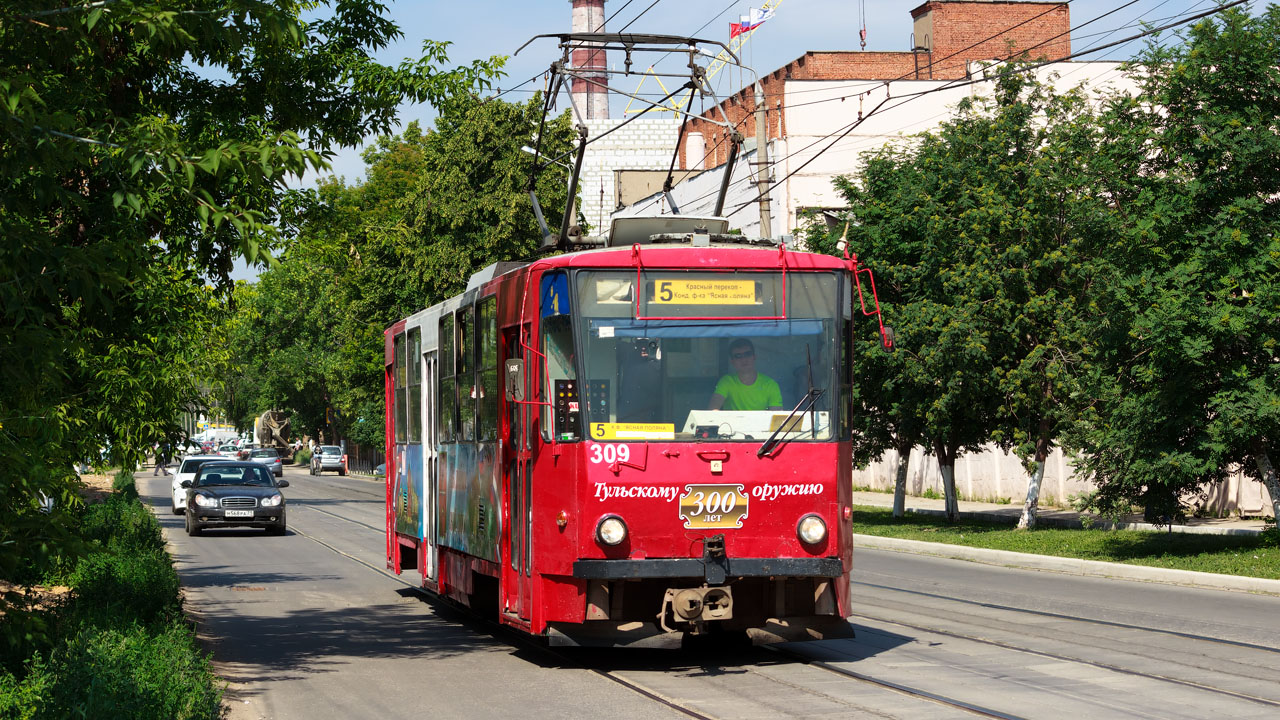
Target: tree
{"points": [[435, 207], [144, 145], [1189, 326], [983, 231]]}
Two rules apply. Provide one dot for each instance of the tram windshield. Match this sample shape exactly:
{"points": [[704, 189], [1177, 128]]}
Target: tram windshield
{"points": [[699, 356]]}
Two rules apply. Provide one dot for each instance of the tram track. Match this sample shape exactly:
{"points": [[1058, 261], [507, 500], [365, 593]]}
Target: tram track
{"points": [[896, 687], [1072, 618], [621, 678], [563, 659], [1077, 660]]}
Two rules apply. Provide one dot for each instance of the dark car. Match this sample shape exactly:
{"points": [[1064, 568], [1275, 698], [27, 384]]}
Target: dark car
{"points": [[235, 494]]}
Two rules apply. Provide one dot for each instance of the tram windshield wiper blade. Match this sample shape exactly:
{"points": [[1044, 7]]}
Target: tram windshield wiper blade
{"points": [[805, 403]]}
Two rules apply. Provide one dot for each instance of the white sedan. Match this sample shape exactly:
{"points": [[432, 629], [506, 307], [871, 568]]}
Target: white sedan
{"points": [[187, 470]]}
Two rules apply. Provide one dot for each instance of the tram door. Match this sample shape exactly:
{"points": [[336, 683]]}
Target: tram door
{"points": [[518, 465], [430, 461]]}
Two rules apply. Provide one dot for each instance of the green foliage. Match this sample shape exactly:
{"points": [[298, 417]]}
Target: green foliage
{"points": [[436, 207], [127, 671], [302, 457], [117, 646], [121, 524], [144, 146], [930, 494], [133, 585], [124, 484], [978, 234], [1191, 386]]}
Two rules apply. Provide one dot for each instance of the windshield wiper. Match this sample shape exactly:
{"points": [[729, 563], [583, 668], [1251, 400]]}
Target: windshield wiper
{"points": [[810, 398]]}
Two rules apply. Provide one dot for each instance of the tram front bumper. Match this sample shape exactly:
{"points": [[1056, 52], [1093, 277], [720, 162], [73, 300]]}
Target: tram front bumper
{"points": [[713, 571]]}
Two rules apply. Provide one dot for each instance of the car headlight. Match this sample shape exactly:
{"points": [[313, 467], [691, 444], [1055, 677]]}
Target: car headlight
{"points": [[273, 501], [611, 530], [811, 530], [206, 501]]}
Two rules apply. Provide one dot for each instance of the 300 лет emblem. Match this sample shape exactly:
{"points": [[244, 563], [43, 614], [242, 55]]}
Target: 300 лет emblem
{"points": [[713, 506]]}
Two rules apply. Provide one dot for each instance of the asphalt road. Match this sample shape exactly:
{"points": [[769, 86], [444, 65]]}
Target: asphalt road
{"points": [[310, 626]]}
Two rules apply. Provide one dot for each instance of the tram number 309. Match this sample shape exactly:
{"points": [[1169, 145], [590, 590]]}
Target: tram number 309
{"points": [[608, 453]]}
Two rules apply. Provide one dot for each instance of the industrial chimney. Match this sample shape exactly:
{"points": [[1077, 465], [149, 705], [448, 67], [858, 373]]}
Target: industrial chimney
{"points": [[589, 95]]}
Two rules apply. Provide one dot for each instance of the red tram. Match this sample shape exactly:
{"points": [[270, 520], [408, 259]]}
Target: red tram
{"points": [[553, 455]]}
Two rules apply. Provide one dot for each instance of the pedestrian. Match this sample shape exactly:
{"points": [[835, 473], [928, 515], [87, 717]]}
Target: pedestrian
{"points": [[162, 459]]}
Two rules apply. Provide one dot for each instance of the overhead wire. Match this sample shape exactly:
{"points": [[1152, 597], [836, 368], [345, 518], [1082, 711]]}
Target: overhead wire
{"points": [[914, 96], [950, 85], [929, 67], [637, 17]]}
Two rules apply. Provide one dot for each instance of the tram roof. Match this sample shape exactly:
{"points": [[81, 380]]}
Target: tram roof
{"points": [[715, 257]]}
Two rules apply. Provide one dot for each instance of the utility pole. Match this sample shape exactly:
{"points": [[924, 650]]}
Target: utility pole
{"points": [[762, 162]]}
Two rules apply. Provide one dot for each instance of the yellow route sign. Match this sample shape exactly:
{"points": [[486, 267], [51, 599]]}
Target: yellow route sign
{"points": [[704, 292], [633, 431]]}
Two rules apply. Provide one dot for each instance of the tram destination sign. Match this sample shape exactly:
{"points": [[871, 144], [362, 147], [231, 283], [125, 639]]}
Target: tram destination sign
{"points": [[704, 292]]}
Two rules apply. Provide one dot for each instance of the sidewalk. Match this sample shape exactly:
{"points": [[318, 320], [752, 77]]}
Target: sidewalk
{"points": [[1058, 517]]}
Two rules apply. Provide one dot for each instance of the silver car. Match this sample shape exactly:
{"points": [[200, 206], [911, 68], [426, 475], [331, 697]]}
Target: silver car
{"points": [[328, 457], [269, 457]]}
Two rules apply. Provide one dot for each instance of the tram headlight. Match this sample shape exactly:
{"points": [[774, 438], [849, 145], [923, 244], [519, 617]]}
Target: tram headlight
{"points": [[611, 530], [811, 530]]}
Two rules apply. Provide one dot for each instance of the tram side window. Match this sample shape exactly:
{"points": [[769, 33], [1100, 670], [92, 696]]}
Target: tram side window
{"points": [[561, 416], [413, 407], [466, 374], [447, 406], [487, 393], [398, 372]]}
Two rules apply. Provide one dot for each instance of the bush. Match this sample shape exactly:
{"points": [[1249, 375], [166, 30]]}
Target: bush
{"points": [[117, 673], [111, 588], [122, 525], [302, 457], [125, 484]]}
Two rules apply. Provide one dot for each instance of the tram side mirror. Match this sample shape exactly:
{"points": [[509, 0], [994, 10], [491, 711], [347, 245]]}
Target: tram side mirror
{"points": [[515, 379], [888, 340]]}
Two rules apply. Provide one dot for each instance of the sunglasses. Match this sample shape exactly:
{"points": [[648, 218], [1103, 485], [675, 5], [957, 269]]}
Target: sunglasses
{"points": [[743, 355]]}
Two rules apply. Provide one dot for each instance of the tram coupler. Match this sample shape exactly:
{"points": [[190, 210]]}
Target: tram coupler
{"points": [[696, 606], [714, 559]]}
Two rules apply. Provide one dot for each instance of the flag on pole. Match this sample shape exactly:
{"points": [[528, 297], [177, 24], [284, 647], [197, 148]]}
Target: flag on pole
{"points": [[749, 22]]}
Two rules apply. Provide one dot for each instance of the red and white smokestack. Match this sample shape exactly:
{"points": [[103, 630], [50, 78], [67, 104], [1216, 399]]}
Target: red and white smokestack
{"points": [[589, 94]]}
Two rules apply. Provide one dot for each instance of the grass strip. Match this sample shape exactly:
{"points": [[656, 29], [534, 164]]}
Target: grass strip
{"points": [[1249, 556]]}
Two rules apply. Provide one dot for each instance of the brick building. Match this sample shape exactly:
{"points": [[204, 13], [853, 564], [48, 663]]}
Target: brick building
{"points": [[949, 36], [820, 94]]}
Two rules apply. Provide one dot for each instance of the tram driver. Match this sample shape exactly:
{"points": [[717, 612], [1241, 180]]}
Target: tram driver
{"points": [[744, 388]]}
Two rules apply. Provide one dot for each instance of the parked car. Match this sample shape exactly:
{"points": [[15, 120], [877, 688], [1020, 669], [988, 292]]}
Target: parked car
{"points": [[235, 494], [187, 469], [270, 458], [380, 471], [328, 457]]}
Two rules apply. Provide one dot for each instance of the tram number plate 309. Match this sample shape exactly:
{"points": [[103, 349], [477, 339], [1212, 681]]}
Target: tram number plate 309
{"points": [[713, 506]]}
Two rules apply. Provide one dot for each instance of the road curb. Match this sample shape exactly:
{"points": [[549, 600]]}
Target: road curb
{"points": [[1007, 519], [1071, 566]]}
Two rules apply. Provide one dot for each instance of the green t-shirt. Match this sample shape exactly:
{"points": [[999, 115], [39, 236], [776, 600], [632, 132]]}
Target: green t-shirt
{"points": [[763, 394]]}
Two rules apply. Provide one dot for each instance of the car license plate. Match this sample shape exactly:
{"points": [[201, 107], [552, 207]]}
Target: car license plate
{"points": [[239, 513]]}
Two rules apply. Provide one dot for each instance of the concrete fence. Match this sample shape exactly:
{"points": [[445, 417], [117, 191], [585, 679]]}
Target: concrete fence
{"points": [[995, 476]]}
